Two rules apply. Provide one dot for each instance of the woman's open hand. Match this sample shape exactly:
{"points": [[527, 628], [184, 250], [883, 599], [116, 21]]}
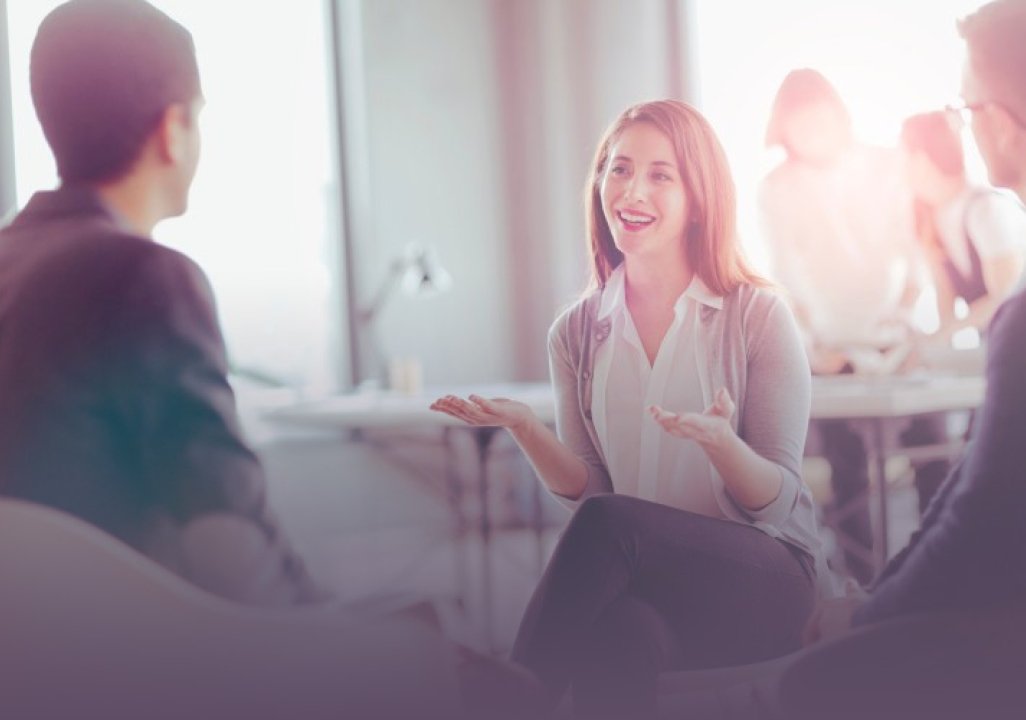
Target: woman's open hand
{"points": [[709, 428], [476, 410]]}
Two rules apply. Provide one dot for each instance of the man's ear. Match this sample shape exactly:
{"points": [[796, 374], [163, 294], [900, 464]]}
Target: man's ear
{"points": [[170, 135]]}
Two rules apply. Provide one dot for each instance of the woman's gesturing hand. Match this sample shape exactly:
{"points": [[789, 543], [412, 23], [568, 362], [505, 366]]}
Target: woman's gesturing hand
{"points": [[708, 428], [476, 410]]}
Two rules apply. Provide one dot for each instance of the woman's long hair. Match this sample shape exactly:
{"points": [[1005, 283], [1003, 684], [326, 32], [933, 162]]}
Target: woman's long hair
{"points": [[711, 242], [934, 135]]}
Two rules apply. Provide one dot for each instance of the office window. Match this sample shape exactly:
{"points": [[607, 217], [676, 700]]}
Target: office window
{"points": [[262, 220]]}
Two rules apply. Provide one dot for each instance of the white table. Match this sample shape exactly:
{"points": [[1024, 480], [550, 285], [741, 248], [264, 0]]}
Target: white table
{"points": [[847, 397], [366, 411], [877, 408]]}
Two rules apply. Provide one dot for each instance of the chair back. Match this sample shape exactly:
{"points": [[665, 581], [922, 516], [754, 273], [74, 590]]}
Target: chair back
{"points": [[89, 628]]}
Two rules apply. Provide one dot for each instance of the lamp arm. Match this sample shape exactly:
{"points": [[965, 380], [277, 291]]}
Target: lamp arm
{"points": [[384, 292]]}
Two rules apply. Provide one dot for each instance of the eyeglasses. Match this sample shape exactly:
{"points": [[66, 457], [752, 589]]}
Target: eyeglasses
{"points": [[962, 112]]}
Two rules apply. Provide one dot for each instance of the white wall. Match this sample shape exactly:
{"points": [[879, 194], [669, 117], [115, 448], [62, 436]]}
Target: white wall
{"points": [[481, 119], [432, 176]]}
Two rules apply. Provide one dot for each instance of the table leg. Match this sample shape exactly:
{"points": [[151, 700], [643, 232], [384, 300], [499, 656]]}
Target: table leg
{"points": [[483, 436], [538, 521], [454, 493], [877, 461]]}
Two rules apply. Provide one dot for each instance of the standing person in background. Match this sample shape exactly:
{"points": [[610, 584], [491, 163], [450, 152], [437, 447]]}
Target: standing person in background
{"points": [[682, 404], [837, 219], [973, 236]]}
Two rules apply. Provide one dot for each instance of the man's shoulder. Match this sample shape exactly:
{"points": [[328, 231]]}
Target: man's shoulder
{"points": [[1009, 321], [145, 263], [92, 243], [146, 252]]}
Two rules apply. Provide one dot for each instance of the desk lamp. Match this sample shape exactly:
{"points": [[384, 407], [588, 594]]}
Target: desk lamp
{"points": [[418, 273]]}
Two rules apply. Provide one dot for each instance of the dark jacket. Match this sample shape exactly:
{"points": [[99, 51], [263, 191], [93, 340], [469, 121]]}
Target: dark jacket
{"points": [[114, 402]]}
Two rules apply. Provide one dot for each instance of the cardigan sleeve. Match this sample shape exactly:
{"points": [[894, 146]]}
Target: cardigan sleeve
{"points": [[778, 397], [571, 425]]}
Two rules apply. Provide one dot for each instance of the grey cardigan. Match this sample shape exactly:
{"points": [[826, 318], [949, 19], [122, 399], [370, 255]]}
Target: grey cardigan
{"points": [[753, 349]]}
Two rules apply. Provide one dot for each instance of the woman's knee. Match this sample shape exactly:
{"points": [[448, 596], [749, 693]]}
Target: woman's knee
{"points": [[602, 527]]}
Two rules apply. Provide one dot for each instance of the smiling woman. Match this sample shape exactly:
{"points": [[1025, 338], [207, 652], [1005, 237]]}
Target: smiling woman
{"points": [[682, 402], [262, 221]]}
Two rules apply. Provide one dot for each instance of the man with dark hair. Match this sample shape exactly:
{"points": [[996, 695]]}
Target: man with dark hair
{"points": [[98, 106], [115, 403], [115, 406]]}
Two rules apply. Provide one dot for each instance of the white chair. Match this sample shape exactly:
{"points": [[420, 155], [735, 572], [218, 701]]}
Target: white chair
{"points": [[91, 629]]}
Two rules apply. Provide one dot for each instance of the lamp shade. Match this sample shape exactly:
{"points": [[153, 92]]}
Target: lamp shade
{"points": [[423, 274]]}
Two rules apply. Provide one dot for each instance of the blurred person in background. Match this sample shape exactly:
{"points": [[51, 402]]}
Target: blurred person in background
{"points": [[973, 236], [682, 404], [941, 632], [837, 219]]}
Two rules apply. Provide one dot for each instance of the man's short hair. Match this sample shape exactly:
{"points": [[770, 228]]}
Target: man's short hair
{"points": [[996, 39], [103, 72]]}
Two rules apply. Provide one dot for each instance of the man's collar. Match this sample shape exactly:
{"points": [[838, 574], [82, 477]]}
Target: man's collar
{"points": [[67, 201]]}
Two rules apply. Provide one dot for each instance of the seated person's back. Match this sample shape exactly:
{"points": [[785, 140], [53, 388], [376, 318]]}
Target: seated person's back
{"points": [[116, 405]]}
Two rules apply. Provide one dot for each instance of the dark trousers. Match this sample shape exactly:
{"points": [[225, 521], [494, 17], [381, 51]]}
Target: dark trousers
{"points": [[635, 588], [849, 477]]}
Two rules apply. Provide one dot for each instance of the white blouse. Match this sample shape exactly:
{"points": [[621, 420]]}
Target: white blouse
{"points": [[643, 459], [995, 221]]}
